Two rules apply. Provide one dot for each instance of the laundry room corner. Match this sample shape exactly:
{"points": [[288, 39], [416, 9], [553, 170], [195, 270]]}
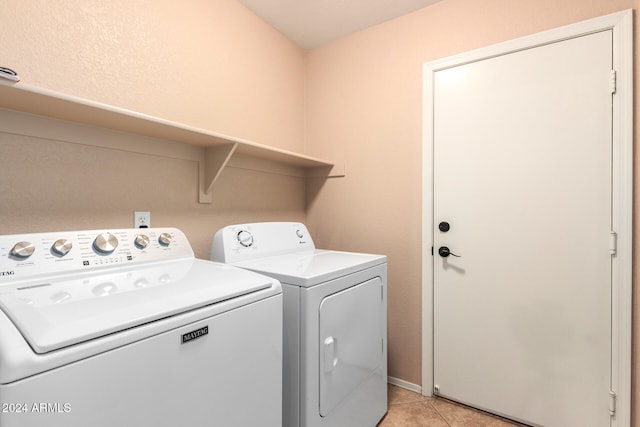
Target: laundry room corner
{"points": [[121, 54], [207, 116]]}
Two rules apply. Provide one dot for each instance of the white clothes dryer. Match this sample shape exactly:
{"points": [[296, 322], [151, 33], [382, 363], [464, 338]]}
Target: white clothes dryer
{"points": [[335, 322], [126, 328]]}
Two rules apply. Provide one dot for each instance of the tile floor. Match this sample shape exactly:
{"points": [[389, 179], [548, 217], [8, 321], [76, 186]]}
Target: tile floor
{"points": [[409, 409]]}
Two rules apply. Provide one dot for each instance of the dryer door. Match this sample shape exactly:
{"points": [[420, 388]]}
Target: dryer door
{"points": [[351, 341]]}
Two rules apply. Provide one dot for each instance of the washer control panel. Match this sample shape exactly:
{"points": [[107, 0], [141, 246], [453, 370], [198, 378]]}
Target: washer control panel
{"points": [[23, 256]]}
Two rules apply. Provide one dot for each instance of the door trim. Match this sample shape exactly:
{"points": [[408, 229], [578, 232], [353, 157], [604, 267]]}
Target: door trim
{"points": [[621, 23]]}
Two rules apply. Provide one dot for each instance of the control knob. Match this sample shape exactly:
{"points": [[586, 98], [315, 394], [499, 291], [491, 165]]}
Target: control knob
{"points": [[61, 247], [165, 239], [23, 249], [105, 243], [245, 238], [141, 241]]}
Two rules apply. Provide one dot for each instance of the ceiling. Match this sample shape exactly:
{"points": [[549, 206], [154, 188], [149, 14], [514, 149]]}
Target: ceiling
{"points": [[311, 23]]}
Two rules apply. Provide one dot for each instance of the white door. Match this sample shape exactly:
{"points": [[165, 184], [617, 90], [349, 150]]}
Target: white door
{"points": [[522, 175]]}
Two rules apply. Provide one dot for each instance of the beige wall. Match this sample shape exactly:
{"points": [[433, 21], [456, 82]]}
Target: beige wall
{"points": [[212, 64], [48, 185], [364, 106]]}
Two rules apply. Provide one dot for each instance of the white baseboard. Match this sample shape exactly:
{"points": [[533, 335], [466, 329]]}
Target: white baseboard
{"points": [[404, 384]]}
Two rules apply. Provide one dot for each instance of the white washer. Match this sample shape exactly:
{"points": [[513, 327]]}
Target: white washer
{"points": [[126, 328], [335, 322]]}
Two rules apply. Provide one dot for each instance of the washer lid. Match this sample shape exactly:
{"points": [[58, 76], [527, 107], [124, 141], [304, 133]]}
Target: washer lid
{"points": [[308, 269], [63, 311]]}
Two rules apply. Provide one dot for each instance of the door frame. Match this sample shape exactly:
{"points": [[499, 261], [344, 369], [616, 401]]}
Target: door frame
{"points": [[621, 23]]}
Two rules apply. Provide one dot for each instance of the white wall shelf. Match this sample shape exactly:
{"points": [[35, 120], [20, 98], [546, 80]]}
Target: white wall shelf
{"points": [[217, 148]]}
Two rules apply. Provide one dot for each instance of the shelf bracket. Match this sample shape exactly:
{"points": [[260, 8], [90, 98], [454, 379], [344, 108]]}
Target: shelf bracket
{"points": [[213, 161], [332, 171]]}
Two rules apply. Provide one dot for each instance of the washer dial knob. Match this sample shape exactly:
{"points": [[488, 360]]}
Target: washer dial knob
{"points": [[105, 243], [61, 247], [245, 238], [141, 241], [165, 239], [23, 249]]}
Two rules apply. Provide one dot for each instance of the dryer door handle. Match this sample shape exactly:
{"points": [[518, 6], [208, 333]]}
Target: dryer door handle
{"points": [[330, 354]]}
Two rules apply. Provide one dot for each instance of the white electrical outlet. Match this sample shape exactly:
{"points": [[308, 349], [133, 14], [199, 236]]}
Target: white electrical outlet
{"points": [[141, 219]]}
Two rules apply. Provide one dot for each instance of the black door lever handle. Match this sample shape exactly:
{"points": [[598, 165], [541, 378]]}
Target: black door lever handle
{"points": [[444, 252]]}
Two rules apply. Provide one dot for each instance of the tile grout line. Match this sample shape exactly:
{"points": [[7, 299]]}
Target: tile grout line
{"points": [[438, 412]]}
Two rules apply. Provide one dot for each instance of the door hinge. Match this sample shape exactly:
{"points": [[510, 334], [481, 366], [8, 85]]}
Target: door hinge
{"points": [[613, 242], [612, 403], [613, 81]]}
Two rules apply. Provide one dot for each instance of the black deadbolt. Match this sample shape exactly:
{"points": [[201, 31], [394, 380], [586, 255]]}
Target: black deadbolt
{"points": [[444, 226]]}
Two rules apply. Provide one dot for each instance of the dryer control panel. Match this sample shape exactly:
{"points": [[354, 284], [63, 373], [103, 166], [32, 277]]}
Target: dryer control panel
{"points": [[262, 239], [25, 256]]}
